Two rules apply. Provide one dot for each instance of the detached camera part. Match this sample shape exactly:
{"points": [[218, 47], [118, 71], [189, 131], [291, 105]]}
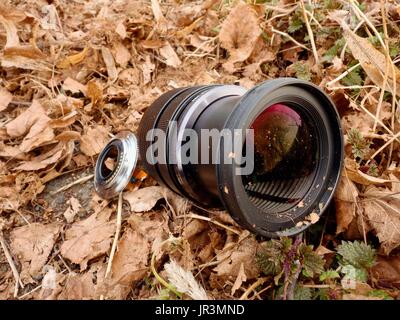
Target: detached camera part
{"points": [[297, 152]]}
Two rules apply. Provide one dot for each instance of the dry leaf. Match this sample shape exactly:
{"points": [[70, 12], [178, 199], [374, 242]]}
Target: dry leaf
{"points": [[72, 210], [89, 238], [232, 256], [95, 92], [73, 59], [94, 140], [5, 98], [32, 245], [65, 121], [121, 30], [43, 160], [386, 271], [11, 32], [110, 64], [121, 54], [35, 123], [372, 61], [144, 199], [360, 177], [383, 216], [78, 287], [162, 23], [345, 199], [239, 33], [170, 56], [74, 86], [147, 67], [130, 263], [241, 277]]}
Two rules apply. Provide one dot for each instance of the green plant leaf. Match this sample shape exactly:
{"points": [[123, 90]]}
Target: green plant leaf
{"points": [[302, 293], [329, 274], [312, 262], [357, 253]]}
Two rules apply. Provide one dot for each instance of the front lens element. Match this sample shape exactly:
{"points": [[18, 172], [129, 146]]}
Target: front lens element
{"points": [[285, 154]]}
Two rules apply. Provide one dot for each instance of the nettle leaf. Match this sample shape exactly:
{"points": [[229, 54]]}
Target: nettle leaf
{"points": [[353, 78], [312, 262], [303, 293], [302, 70], [272, 255], [357, 254], [329, 274], [295, 24], [354, 274], [334, 50]]}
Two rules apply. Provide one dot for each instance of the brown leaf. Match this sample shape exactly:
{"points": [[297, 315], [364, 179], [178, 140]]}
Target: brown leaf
{"points": [[5, 98], [94, 140], [170, 56], [386, 271], [78, 287], [144, 199], [32, 245], [121, 30], [89, 238], [11, 31], [64, 121], [147, 67], [74, 59], [232, 256], [72, 210], [95, 92], [110, 64], [345, 199], [241, 277], [360, 177], [34, 122], [74, 86], [121, 54], [382, 212], [239, 33], [372, 61], [43, 160]]}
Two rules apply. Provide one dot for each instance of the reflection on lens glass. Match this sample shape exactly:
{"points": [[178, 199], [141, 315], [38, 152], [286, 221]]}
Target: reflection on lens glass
{"points": [[285, 152]]}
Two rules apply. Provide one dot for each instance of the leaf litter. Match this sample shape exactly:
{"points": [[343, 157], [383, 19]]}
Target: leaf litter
{"points": [[76, 73]]}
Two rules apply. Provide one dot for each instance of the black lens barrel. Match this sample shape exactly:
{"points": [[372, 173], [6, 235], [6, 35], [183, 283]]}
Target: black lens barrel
{"points": [[219, 107]]}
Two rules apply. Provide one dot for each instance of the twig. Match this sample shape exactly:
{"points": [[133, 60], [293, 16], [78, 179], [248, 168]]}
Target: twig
{"points": [[12, 265], [290, 38], [80, 180], [344, 74], [196, 216], [310, 32], [117, 231], [292, 285], [252, 287]]}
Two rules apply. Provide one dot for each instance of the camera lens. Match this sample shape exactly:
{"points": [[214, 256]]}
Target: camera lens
{"points": [[270, 155]]}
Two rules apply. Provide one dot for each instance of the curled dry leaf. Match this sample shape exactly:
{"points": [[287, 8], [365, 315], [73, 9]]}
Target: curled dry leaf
{"points": [[233, 255], [33, 122], [72, 210], [170, 56], [89, 238], [241, 277], [382, 211], [360, 177], [239, 33], [74, 86], [32, 245], [386, 271], [372, 61], [110, 64], [144, 199], [5, 98], [74, 59], [94, 140], [346, 197]]}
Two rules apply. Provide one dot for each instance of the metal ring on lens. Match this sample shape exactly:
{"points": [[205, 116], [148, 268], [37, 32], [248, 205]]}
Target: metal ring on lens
{"points": [[109, 182]]}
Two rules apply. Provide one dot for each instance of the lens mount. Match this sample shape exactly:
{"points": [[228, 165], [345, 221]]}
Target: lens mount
{"points": [[123, 151]]}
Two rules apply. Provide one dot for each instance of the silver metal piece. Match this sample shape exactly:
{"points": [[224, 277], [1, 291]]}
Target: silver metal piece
{"points": [[125, 143]]}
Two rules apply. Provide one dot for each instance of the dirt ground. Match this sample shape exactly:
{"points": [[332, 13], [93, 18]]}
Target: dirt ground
{"points": [[74, 73]]}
